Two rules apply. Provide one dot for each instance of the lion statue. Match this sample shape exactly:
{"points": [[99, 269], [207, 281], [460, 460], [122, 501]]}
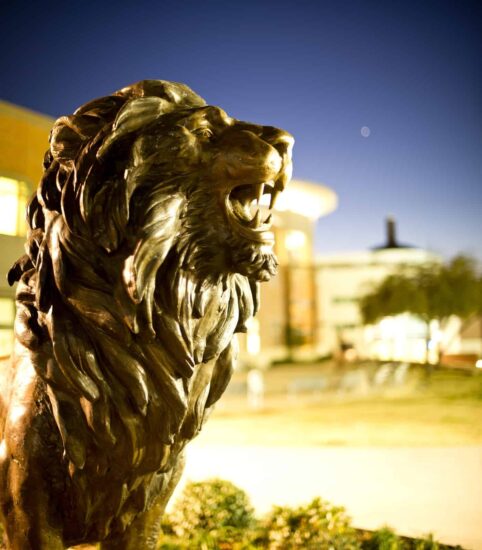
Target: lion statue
{"points": [[145, 251]]}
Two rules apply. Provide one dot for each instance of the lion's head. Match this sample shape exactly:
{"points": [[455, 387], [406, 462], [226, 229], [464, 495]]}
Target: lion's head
{"points": [[217, 167], [145, 250]]}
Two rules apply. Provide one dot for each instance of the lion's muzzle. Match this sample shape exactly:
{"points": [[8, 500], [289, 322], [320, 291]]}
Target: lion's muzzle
{"points": [[254, 173]]}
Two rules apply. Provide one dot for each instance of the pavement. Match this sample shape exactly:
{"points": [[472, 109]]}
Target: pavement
{"points": [[414, 490]]}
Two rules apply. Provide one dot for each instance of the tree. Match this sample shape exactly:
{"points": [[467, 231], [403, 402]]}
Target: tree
{"points": [[429, 292]]}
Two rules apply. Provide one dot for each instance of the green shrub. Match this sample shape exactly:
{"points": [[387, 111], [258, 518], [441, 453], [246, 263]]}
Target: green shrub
{"points": [[213, 508], [319, 525], [427, 544], [386, 539], [217, 515], [222, 539], [383, 539]]}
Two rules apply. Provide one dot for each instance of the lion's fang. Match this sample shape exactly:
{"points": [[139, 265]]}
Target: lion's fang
{"points": [[274, 196], [259, 191], [256, 220]]}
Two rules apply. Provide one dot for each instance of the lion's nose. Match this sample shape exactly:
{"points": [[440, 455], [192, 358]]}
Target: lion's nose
{"points": [[254, 148], [282, 141], [247, 155], [284, 146]]}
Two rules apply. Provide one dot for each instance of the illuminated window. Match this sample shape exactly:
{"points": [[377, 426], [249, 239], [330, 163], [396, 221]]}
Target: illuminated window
{"points": [[296, 246], [294, 240], [7, 316], [13, 200]]}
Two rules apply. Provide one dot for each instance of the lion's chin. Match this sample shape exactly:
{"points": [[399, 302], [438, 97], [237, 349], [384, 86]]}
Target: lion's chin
{"points": [[256, 263]]}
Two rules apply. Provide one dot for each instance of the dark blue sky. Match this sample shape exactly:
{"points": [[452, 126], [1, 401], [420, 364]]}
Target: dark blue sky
{"points": [[410, 71]]}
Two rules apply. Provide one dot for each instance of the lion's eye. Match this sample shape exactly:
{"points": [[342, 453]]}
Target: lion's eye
{"points": [[203, 132]]}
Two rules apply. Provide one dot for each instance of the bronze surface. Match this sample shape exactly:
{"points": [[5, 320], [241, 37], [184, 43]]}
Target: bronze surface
{"points": [[143, 260]]}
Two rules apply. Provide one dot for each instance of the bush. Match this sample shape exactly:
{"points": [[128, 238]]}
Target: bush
{"points": [[213, 508], [217, 515], [383, 539], [316, 525], [386, 539], [427, 544]]}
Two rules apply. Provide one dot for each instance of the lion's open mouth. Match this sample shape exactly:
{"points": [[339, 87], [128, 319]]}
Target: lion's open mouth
{"points": [[249, 206]]}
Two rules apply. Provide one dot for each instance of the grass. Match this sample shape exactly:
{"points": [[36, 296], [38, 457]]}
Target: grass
{"points": [[446, 411]]}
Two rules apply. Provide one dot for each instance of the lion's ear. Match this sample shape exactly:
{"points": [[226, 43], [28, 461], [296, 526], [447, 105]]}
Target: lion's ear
{"points": [[135, 114]]}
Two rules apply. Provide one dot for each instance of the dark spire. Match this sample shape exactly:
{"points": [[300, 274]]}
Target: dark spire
{"points": [[391, 232], [391, 236]]}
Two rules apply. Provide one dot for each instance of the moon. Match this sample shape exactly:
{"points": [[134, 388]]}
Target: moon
{"points": [[365, 131]]}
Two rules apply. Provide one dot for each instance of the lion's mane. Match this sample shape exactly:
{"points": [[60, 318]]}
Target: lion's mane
{"points": [[113, 324]]}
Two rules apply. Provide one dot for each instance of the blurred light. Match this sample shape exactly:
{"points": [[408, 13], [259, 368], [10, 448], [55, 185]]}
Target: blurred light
{"points": [[306, 199], [365, 131], [478, 364], [253, 340], [399, 344], [3, 449], [387, 328], [16, 413], [255, 382], [369, 333], [13, 202], [295, 239], [350, 355]]}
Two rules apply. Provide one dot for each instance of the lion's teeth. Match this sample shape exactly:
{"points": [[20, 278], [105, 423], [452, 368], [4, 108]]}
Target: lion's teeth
{"points": [[274, 196], [253, 221], [257, 219], [259, 191]]}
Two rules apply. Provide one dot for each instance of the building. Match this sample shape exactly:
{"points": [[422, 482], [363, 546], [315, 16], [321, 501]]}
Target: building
{"points": [[23, 142], [287, 320], [343, 278], [288, 310]]}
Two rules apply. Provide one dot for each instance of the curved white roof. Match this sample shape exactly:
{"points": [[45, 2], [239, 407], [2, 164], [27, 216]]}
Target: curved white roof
{"points": [[308, 199]]}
